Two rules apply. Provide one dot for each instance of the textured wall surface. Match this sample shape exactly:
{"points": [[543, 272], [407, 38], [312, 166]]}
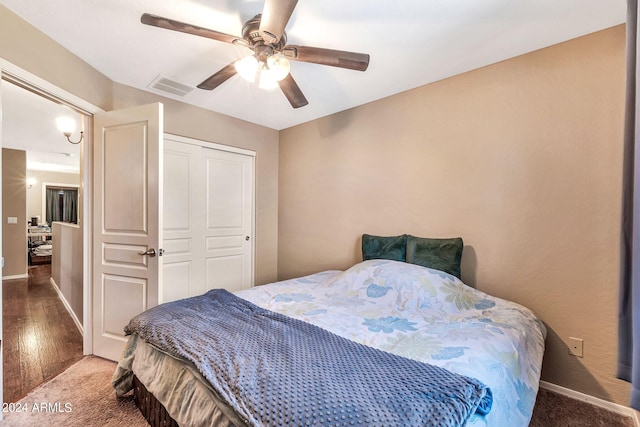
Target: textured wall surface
{"points": [[522, 159], [66, 264], [14, 204]]}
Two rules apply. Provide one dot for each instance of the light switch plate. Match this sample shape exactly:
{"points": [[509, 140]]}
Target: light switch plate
{"points": [[12, 220]]}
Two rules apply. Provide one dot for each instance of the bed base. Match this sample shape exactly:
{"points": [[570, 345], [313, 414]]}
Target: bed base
{"points": [[152, 410]]}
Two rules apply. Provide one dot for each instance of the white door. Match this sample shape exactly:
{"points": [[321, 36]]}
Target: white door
{"points": [[208, 218], [228, 216], [183, 263], [127, 221]]}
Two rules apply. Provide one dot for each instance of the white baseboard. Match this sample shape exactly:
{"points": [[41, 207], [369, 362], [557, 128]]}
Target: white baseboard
{"points": [[610, 406], [67, 306], [17, 276]]}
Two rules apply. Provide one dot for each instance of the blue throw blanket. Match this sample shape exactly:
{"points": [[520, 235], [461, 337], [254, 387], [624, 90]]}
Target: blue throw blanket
{"points": [[274, 370]]}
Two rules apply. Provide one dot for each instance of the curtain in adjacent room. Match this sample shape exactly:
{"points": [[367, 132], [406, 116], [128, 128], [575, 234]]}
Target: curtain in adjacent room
{"points": [[62, 205], [629, 303], [53, 205], [70, 206]]}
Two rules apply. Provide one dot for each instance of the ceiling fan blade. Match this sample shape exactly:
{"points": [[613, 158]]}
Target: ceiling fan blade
{"points": [[218, 78], [292, 91], [275, 15], [170, 24], [334, 58]]}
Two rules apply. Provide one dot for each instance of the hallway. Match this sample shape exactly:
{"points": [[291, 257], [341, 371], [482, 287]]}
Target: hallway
{"points": [[40, 339]]}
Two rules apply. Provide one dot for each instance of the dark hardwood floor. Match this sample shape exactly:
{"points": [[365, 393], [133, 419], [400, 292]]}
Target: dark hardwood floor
{"points": [[40, 339]]}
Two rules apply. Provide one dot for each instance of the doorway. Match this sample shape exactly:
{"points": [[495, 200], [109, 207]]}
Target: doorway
{"points": [[92, 214], [48, 158]]}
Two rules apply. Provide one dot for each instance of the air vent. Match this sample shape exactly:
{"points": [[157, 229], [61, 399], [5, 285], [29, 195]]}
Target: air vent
{"points": [[164, 84]]}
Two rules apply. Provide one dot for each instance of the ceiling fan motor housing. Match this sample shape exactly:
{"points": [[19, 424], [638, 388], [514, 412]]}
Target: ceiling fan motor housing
{"points": [[251, 33]]}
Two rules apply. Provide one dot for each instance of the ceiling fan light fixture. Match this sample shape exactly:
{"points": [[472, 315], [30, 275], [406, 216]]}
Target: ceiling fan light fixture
{"points": [[265, 35], [248, 68], [279, 66], [265, 74], [273, 70]]}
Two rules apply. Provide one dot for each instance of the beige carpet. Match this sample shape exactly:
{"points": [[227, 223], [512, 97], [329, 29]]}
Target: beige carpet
{"points": [[556, 410], [80, 396]]}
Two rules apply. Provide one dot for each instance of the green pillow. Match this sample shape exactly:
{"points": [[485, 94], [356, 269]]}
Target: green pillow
{"points": [[440, 254], [380, 247]]}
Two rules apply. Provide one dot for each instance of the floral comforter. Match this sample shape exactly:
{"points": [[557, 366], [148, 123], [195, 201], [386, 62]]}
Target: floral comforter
{"points": [[425, 315]]}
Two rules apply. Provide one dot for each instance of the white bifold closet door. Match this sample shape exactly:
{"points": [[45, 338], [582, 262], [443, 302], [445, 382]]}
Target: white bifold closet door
{"points": [[208, 218]]}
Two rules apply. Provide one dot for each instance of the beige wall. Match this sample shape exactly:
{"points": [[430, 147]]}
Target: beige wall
{"points": [[34, 194], [41, 56], [522, 159], [30, 49], [66, 264], [14, 204]]}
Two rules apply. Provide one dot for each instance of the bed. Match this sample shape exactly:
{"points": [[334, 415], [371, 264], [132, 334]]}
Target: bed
{"points": [[409, 312]]}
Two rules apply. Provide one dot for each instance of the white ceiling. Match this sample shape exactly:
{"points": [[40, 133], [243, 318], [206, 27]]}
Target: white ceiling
{"points": [[29, 124], [411, 43]]}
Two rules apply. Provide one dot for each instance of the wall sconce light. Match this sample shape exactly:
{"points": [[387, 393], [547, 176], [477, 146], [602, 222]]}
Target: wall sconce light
{"points": [[67, 125], [31, 182]]}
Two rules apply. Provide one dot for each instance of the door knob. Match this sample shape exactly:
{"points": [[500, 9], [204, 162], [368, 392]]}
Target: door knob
{"points": [[151, 252]]}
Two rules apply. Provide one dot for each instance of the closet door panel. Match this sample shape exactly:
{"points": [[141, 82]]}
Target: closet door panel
{"points": [[183, 222], [178, 274], [225, 195], [225, 272], [229, 228], [208, 219]]}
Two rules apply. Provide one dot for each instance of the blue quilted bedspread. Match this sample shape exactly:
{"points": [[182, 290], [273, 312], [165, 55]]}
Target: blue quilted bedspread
{"points": [[274, 370]]}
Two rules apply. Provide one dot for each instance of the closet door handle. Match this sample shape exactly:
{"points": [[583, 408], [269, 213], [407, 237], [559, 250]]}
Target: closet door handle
{"points": [[151, 252]]}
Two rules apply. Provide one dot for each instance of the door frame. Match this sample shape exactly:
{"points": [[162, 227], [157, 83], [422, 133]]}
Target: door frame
{"points": [[30, 81]]}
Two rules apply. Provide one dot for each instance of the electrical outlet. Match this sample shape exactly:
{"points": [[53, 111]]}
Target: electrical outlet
{"points": [[576, 347]]}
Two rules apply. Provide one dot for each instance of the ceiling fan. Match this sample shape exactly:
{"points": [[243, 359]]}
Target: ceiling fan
{"points": [[269, 65]]}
